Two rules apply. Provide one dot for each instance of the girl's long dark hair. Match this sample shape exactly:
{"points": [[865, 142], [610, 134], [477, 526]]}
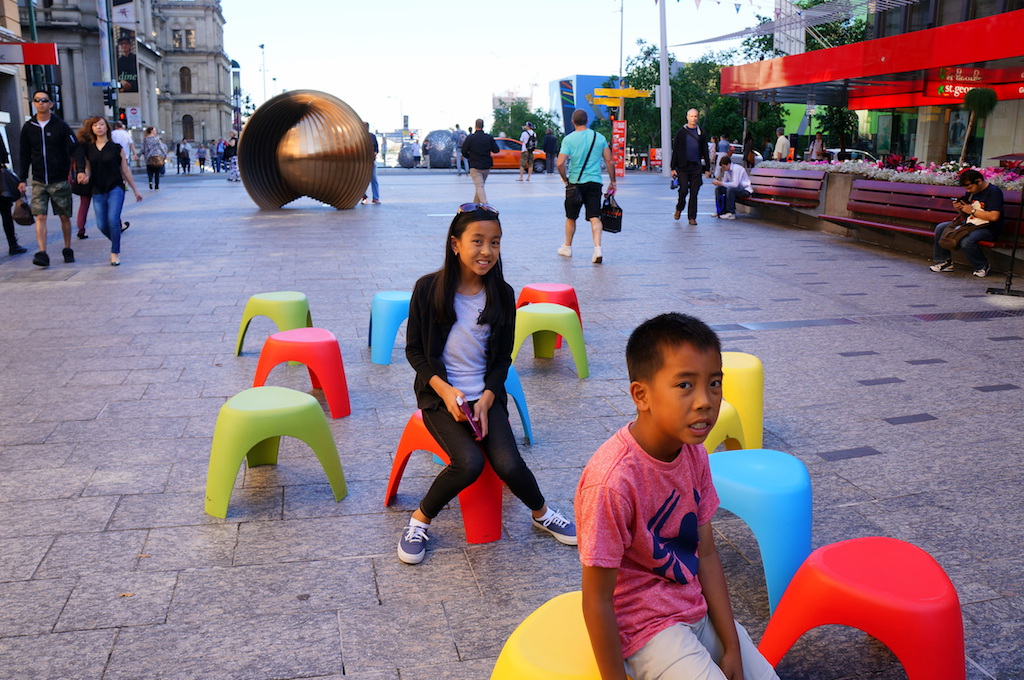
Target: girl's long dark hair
{"points": [[499, 307]]}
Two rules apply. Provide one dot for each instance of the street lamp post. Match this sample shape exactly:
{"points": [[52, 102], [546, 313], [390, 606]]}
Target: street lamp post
{"points": [[263, 67]]}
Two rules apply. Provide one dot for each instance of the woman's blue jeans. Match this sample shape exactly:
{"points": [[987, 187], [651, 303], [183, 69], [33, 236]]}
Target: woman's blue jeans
{"points": [[107, 209]]}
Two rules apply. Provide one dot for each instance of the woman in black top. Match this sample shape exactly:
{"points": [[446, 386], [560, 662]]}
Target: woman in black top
{"points": [[5, 209], [105, 168]]}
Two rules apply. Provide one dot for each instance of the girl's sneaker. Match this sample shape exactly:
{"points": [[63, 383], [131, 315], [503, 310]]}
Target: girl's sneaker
{"points": [[412, 547], [558, 526]]}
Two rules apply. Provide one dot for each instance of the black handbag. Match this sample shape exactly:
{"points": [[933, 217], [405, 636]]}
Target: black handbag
{"points": [[611, 215], [9, 185]]}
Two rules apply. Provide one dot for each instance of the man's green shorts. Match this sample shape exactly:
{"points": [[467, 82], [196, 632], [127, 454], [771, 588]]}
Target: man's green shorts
{"points": [[57, 193]]}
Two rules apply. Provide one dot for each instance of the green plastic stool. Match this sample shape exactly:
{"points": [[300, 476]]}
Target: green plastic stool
{"points": [[288, 309], [250, 426], [545, 321]]}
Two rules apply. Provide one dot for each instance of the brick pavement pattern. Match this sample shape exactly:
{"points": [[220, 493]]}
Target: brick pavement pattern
{"points": [[899, 388]]}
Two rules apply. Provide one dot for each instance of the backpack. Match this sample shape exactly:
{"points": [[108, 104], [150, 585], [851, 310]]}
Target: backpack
{"points": [[531, 141]]}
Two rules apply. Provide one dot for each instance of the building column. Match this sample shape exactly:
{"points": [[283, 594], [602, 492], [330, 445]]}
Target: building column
{"points": [[931, 134], [82, 88], [1004, 131]]}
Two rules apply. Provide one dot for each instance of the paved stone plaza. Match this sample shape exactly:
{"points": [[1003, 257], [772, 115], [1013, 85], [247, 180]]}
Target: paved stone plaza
{"points": [[899, 388]]}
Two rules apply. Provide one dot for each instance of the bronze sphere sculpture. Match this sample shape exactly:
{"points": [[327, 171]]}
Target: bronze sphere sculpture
{"points": [[305, 143]]}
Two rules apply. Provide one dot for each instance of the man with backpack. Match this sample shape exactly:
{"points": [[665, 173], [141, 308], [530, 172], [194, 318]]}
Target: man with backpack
{"points": [[529, 141]]}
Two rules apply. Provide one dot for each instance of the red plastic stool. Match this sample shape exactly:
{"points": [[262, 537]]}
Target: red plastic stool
{"points": [[480, 501], [891, 590], [558, 293], [316, 348]]}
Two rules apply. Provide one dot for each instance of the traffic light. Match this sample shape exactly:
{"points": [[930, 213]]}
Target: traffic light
{"points": [[109, 96], [122, 116]]}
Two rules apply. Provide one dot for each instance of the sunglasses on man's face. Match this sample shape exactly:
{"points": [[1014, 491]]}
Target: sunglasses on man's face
{"points": [[470, 207], [41, 101]]}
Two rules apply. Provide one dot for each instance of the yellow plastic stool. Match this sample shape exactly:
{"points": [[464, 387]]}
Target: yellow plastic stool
{"points": [[545, 321], [289, 309], [743, 387], [250, 426], [551, 644], [728, 429]]}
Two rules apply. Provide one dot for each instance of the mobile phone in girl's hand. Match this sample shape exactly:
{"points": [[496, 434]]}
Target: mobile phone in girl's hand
{"points": [[468, 412]]}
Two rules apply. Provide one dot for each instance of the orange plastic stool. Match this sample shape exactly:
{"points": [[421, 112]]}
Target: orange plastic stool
{"points": [[480, 501], [890, 589], [558, 293], [316, 348]]}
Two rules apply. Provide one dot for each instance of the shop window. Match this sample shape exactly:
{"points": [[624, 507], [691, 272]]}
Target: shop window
{"points": [[984, 8], [922, 15], [185, 80]]}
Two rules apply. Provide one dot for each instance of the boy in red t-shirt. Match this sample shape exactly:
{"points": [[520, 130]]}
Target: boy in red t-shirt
{"points": [[654, 593]]}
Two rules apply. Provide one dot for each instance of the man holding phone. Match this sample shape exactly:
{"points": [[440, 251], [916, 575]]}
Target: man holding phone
{"points": [[983, 204]]}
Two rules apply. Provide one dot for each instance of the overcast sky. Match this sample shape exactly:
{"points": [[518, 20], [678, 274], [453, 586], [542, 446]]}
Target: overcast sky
{"points": [[440, 61]]}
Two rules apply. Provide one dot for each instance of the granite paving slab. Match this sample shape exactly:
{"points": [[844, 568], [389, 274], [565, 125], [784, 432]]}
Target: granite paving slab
{"points": [[112, 379]]}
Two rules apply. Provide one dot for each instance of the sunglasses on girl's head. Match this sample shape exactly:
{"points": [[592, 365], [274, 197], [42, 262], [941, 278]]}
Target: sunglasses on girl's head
{"points": [[470, 207]]}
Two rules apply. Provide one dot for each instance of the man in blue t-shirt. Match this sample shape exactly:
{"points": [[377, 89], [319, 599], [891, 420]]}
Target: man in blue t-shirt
{"points": [[586, 148]]}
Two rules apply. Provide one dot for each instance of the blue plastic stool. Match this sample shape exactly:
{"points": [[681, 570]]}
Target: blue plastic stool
{"points": [[514, 388], [387, 312], [771, 492]]}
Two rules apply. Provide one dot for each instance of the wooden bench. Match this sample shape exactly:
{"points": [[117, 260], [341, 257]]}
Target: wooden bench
{"points": [[891, 205], [783, 187]]}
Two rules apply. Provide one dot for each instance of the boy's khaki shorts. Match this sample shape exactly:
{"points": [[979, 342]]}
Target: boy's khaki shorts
{"points": [[57, 193]]}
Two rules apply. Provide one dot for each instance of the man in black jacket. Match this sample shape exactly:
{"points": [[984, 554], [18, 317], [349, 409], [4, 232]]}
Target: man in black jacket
{"points": [[48, 144], [689, 161], [478, 148]]}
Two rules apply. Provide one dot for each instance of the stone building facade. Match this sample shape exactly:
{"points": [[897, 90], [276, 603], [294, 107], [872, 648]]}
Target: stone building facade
{"points": [[184, 78]]}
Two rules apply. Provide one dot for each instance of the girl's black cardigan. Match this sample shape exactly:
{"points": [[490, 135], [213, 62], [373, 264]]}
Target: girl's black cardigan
{"points": [[426, 337]]}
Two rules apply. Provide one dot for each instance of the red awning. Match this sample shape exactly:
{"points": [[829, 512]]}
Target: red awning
{"points": [[936, 66]]}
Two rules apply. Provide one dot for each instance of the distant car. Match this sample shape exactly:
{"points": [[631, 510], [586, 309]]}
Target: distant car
{"points": [[510, 152], [852, 155]]}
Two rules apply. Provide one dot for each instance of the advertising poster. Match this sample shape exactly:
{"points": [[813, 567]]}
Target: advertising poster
{"points": [[126, 67], [619, 147]]}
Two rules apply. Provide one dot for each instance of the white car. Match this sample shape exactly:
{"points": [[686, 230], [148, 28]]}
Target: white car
{"points": [[852, 155]]}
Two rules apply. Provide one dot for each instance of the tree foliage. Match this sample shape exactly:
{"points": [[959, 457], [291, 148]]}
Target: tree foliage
{"points": [[835, 33], [510, 120], [981, 101], [838, 124]]}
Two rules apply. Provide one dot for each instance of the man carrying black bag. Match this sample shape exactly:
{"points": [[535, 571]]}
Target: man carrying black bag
{"points": [[689, 162], [586, 148]]}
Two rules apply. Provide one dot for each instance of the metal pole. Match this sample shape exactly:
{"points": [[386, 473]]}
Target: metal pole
{"points": [[264, 69], [115, 83], [37, 72], [666, 97]]}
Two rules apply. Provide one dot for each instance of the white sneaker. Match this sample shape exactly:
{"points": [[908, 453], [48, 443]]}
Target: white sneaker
{"points": [[714, 214], [727, 216], [565, 251], [598, 258], [982, 273]]}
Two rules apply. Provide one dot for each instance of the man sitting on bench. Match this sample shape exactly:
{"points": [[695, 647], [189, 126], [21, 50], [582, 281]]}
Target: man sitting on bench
{"points": [[734, 182], [982, 201]]}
